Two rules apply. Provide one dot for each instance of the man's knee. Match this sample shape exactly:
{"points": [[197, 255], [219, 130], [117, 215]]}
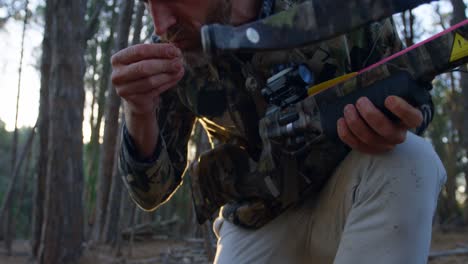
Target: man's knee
{"points": [[415, 150], [412, 166], [394, 201]]}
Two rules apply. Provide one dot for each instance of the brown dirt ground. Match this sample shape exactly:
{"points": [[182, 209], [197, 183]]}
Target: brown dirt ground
{"points": [[447, 241], [146, 250], [102, 254]]}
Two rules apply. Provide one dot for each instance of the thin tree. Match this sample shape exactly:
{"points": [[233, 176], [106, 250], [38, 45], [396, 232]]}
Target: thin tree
{"points": [[111, 128], [7, 232], [106, 51], [453, 146], [127, 207], [20, 70], [90, 177], [43, 129], [112, 216], [95, 19]]}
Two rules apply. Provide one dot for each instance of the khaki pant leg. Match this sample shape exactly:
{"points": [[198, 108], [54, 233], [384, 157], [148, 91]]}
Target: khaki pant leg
{"points": [[390, 220], [374, 209]]}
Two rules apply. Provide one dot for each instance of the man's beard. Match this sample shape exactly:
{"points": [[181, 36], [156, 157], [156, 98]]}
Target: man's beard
{"points": [[219, 13]]}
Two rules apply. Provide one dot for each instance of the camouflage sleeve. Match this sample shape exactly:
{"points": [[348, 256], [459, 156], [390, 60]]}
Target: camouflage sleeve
{"points": [[152, 181]]}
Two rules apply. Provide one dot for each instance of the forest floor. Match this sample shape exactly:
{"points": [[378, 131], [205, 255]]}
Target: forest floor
{"points": [[167, 251], [450, 240]]}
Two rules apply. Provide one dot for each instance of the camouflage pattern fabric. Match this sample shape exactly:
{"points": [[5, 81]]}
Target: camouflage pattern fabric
{"points": [[254, 181], [305, 23], [152, 182]]}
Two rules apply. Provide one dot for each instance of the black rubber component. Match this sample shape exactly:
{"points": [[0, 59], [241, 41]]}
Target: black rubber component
{"points": [[400, 84]]}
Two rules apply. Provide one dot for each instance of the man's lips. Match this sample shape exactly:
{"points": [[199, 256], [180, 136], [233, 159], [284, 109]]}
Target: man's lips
{"points": [[178, 40]]}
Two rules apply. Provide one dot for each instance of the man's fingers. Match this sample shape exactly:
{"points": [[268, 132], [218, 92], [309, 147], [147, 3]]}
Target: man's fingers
{"points": [[145, 68], [145, 51], [381, 124], [365, 128], [147, 85], [410, 116], [146, 103], [359, 127], [345, 134], [165, 87]]}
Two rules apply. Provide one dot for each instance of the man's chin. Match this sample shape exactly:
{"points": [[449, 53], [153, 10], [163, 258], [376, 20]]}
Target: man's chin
{"points": [[187, 45]]}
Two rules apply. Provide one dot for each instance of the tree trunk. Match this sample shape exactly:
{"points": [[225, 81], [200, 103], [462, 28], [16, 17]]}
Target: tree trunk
{"points": [[90, 175], [408, 27], [125, 216], [451, 151], [101, 191], [92, 27], [459, 15], [62, 236], [117, 210], [140, 11], [451, 185], [127, 206], [111, 129], [112, 224], [20, 70], [43, 129], [92, 24]]}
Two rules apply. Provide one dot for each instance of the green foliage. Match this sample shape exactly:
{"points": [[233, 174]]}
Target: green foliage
{"points": [[5, 154], [445, 136], [443, 129], [6, 139], [24, 193]]}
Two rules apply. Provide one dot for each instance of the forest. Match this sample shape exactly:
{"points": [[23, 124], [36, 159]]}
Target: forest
{"points": [[61, 196]]}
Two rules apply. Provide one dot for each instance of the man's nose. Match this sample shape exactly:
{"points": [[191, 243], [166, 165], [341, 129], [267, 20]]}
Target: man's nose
{"points": [[163, 18]]}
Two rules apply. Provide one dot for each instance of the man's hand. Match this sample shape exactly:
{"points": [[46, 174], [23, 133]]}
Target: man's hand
{"points": [[368, 130], [142, 72]]}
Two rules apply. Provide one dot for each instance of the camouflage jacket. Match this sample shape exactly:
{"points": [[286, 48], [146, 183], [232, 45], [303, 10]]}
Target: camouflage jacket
{"points": [[224, 95]]}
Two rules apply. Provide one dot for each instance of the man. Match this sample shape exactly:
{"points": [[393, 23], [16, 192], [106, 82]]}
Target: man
{"points": [[376, 203]]}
